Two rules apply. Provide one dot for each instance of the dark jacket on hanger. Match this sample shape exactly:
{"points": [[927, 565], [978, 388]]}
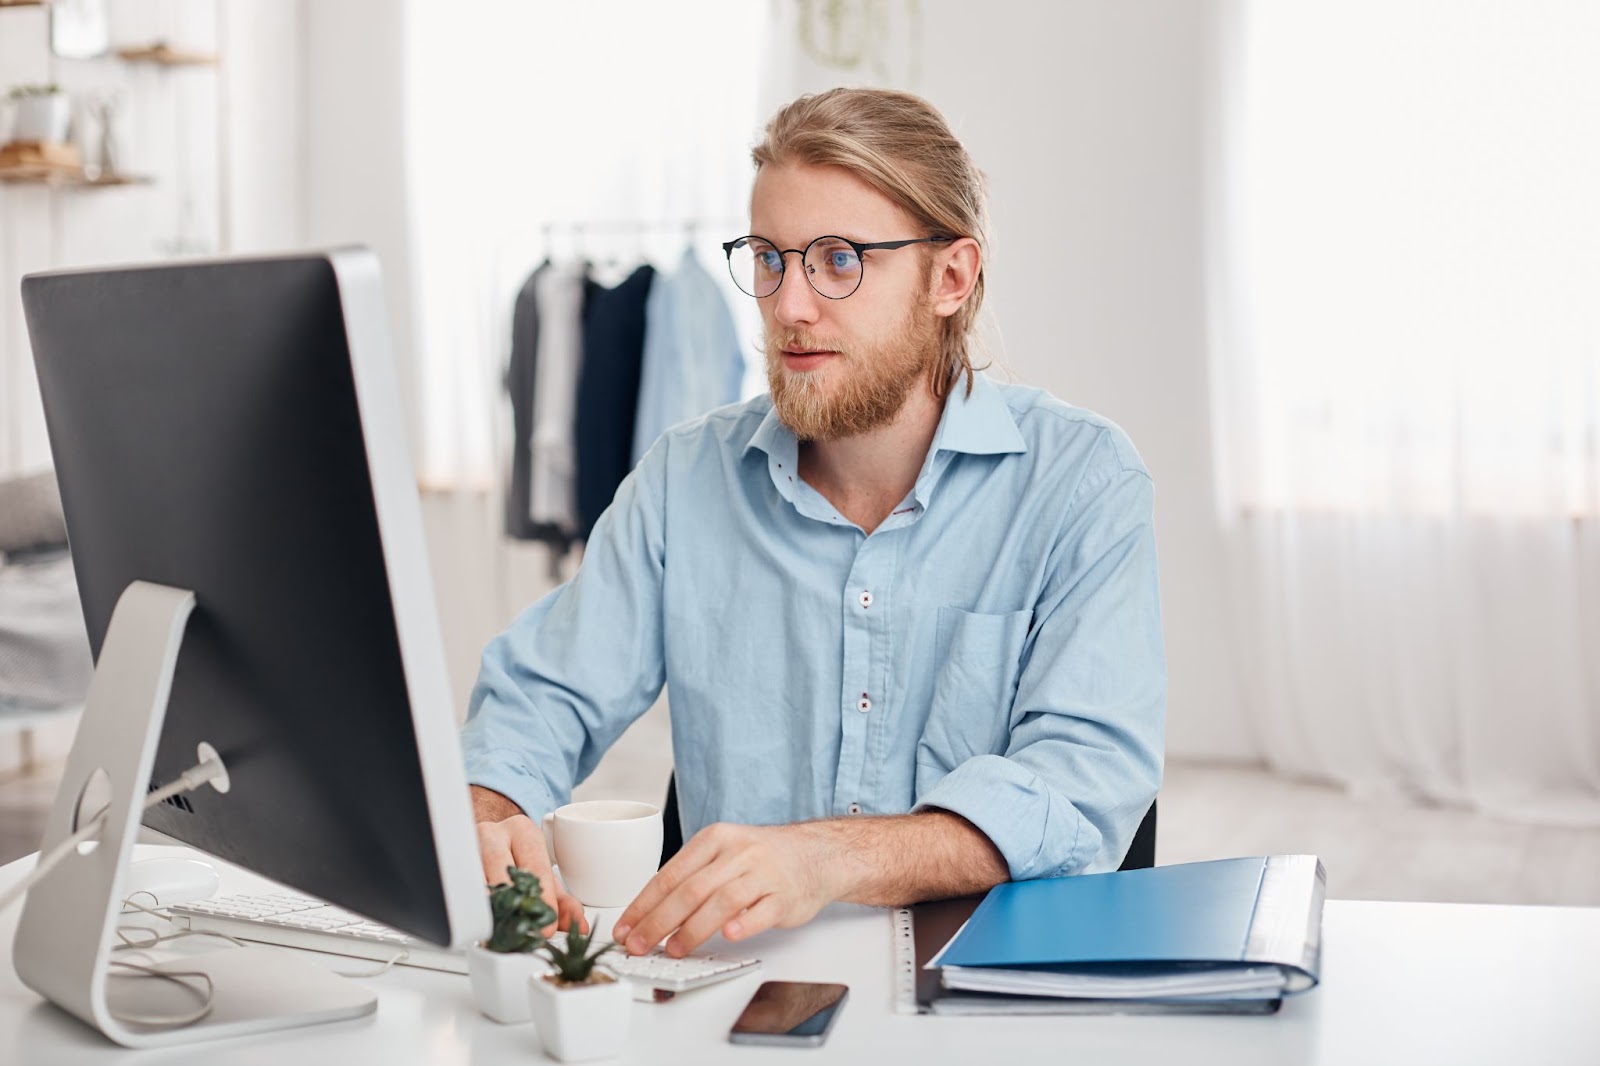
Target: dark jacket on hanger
{"points": [[608, 389]]}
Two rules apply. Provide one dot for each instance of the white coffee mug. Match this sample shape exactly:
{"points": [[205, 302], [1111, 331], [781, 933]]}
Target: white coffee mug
{"points": [[607, 849]]}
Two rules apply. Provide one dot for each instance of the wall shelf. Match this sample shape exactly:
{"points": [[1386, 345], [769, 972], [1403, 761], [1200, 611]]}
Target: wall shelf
{"points": [[163, 54], [57, 178]]}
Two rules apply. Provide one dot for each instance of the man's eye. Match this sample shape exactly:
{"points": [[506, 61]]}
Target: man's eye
{"points": [[770, 262], [842, 262]]}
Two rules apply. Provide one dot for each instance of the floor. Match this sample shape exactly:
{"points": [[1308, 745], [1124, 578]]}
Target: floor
{"points": [[1372, 849]]}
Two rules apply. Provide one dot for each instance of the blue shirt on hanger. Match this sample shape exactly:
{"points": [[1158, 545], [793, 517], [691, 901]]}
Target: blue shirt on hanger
{"points": [[692, 362], [993, 648]]}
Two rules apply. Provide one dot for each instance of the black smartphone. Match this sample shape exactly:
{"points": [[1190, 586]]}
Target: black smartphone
{"points": [[789, 1014]]}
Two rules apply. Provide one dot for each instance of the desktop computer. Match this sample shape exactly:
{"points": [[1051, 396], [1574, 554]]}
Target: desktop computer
{"points": [[247, 537]]}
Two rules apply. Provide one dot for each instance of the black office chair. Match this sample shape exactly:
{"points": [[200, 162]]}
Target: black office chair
{"points": [[1141, 853]]}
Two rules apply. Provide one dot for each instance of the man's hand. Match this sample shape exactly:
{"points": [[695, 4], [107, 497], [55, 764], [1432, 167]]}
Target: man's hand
{"points": [[745, 879], [740, 879], [507, 837]]}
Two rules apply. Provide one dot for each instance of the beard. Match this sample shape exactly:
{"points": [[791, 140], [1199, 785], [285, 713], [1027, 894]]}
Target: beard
{"points": [[870, 381]]}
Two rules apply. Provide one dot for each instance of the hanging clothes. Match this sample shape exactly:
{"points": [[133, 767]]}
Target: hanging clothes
{"points": [[519, 384], [608, 389], [691, 362], [553, 464]]}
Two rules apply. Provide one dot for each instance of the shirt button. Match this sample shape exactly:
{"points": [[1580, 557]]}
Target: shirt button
{"points": [[866, 599], [855, 808], [863, 704]]}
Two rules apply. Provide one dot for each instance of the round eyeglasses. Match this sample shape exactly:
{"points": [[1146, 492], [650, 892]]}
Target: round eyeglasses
{"points": [[833, 265]]}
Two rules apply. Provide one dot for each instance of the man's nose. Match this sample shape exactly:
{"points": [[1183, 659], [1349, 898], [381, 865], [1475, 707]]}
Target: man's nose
{"points": [[797, 303]]}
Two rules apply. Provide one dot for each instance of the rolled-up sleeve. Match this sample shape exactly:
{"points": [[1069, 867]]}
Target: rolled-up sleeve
{"points": [[1084, 756], [570, 674]]}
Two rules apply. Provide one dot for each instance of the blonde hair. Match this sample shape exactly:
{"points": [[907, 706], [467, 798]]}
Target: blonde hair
{"points": [[901, 146]]}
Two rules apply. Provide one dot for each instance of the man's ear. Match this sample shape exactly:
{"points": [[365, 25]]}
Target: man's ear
{"points": [[955, 275]]}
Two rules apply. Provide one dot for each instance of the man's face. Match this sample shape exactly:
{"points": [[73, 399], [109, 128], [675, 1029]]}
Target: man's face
{"points": [[837, 368]]}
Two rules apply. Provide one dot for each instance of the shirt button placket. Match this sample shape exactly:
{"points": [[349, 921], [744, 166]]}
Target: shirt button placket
{"points": [[861, 630]]}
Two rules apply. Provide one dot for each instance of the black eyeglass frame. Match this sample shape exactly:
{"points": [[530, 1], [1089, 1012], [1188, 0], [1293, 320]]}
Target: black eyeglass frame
{"points": [[783, 258]]}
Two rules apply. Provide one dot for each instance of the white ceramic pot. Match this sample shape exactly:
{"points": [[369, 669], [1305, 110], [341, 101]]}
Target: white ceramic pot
{"points": [[42, 118], [576, 1024], [500, 982]]}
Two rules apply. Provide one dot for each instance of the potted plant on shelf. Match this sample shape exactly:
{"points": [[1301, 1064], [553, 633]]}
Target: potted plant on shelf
{"points": [[580, 1012], [503, 966], [43, 114]]}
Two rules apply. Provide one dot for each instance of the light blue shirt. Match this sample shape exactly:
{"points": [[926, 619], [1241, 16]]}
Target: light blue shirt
{"points": [[992, 649], [691, 361]]}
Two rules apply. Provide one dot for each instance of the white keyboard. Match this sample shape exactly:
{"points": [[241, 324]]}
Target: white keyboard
{"points": [[301, 922]]}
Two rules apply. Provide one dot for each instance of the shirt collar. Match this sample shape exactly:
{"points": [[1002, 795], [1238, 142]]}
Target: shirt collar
{"points": [[980, 424], [774, 438]]}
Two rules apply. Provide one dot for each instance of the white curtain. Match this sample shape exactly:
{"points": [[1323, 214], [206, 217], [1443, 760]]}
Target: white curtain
{"points": [[1407, 393], [522, 115]]}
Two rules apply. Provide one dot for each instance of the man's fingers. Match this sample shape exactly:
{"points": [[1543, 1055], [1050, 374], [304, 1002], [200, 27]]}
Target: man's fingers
{"points": [[672, 911], [721, 906], [495, 848], [518, 841], [527, 848], [666, 881], [698, 853], [760, 916], [570, 910]]}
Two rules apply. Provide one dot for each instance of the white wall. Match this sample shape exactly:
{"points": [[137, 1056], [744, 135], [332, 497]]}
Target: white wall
{"points": [[263, 81], [1088, 117], [354, 129]]}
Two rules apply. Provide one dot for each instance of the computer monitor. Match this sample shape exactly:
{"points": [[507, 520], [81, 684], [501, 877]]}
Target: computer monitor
{"points": [[235, 428]]}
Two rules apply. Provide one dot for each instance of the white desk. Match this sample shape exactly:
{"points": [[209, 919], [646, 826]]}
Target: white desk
{"points": [[1412, 983]]}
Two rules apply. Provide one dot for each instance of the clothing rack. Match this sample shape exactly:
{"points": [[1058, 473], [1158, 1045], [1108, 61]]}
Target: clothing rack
{"points": [[572, 234], [690, 228]]}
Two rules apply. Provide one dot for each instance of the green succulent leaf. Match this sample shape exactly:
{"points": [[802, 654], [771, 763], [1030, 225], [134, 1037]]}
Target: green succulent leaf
{"points": [[519, 912], [574, 963]]}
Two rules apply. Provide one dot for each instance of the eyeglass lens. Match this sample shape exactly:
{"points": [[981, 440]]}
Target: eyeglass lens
{"points": [[832, 266]]}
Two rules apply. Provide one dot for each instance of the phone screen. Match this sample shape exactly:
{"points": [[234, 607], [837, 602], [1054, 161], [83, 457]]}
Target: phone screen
{"points": [[789, 1012]]}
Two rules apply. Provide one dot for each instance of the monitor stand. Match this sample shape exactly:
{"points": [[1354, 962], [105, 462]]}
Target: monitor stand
{"points": [[68, 923]]}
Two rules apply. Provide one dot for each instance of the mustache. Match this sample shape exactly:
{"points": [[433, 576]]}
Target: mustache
{"points": [[804, 341]]}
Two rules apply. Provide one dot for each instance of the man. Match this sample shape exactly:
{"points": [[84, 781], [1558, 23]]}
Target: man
{"points": [[907, 617]]}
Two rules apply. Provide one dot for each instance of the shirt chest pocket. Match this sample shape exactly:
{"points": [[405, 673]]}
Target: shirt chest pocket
{"points": [[976, 667]]}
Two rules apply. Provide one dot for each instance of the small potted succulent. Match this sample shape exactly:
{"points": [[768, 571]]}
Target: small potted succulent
{"points": [[580, 1012], [43, 114], [502, 967]]}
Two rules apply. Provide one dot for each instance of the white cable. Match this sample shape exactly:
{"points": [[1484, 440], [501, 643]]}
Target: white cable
{"points": [[173, 1021], [176, 976], [158, 938], [187, 781], [49, 862], [380, 971], [190, 779]]}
